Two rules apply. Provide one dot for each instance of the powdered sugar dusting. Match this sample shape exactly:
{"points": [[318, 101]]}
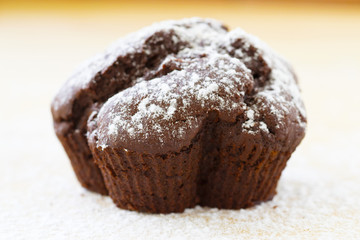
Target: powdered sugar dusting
{"points": [[192, 30], [250, 122], [164, 105], [280, 96], [159, 112]]}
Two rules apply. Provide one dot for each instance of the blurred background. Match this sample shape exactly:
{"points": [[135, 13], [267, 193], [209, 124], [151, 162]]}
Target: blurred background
{"points": [[42, 42]]}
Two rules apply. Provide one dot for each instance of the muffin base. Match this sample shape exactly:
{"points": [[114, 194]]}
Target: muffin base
{"points": [[212, 171], [173, 182], [76, 147], [150, 183]]}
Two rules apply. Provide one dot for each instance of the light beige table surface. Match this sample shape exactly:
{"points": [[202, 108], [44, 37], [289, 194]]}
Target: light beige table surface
{"points": [[318, 194]]}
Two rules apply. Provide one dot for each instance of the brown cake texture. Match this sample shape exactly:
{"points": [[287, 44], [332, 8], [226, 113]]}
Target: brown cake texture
{"points": [[181, 113]]}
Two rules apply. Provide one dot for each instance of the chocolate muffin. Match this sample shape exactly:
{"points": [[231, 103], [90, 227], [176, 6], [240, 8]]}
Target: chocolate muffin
{"points": [[182, 113]]}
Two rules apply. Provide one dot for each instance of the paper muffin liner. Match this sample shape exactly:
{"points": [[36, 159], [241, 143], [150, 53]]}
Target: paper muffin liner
{"points": [[86, 171], [246, 175], [170, 183], [245, 178], [150, 183], [231, 171], [247, 168]]}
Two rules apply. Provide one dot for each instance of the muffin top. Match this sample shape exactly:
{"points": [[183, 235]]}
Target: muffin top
{"points": [[152, 90]]}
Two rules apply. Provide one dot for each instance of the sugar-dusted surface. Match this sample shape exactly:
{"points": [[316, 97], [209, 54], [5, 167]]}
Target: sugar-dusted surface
{"points": [[313, 201], [133, 42], [165, 106], [215, 70]]}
